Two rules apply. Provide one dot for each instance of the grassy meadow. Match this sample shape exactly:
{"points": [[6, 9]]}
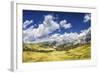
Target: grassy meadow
{"points": [[41, 52]]}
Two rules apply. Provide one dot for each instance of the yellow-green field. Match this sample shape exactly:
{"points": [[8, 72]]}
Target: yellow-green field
{"points": [[40, 54]]}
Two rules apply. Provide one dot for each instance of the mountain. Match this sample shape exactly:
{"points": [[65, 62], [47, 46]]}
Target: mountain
{"points": [[85, 38], [82, 38], [67, 38]]}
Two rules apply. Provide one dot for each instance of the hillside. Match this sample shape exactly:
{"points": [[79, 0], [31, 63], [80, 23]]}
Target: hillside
{"points": [[47, 52]]}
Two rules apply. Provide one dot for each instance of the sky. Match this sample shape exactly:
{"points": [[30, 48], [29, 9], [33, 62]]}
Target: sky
{"points": [[49, 25]]}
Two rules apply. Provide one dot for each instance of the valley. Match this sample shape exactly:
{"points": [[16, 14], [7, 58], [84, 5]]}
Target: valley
{"points": [[41, 52]]}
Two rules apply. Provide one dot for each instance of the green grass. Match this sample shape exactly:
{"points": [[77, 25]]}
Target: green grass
{"points": [[36, 53]]}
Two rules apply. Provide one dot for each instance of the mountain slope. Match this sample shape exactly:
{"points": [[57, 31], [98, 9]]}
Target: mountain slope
{"points": [[78, 53]]}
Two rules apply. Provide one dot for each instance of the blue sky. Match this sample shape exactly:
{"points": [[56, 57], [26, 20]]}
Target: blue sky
{"points": [[76, 22]]}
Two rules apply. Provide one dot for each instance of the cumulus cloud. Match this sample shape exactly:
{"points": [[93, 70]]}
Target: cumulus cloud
{"points": [[64, 38], [87, 17], [65, 25], [49, 24], [47, 27], [84, 32], [27, 34], [33, 33], [26, 23], [72, 37]]}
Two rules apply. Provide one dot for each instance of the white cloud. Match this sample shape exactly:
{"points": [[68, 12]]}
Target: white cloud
{"points": [[72, 37], [63, 22], [65, 25], [64, 38], [84, 32], [47, 27], [33, 33], [27, 34], [49, 23], [26, 23], [87, 17]]}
